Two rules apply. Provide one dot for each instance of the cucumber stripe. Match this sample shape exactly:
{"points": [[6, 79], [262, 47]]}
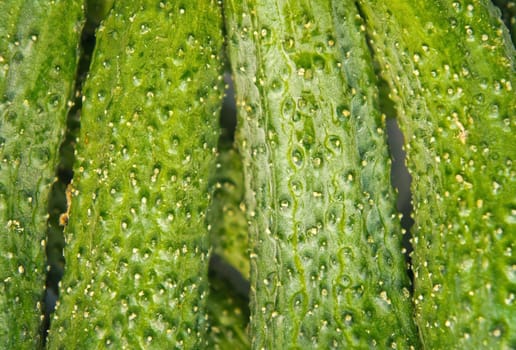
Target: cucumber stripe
{"points": [[326, 264], [38, 58], [451, 70]]}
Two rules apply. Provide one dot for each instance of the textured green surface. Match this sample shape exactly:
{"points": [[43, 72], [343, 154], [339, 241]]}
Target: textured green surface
{"points": [[38, 57], [326, 263], [228, 318], [229, 234], [451, 69], [228, 310], [326, 267], [136, 273], [508, 15], [97, 10]]}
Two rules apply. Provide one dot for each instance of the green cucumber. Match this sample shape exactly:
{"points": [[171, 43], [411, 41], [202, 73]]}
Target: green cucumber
{"points": [[452, 79], [229, 271], [508, 15], [327, 269], [228, 312], [227, 219], [137, 254], [38, 58], [97, 10]]}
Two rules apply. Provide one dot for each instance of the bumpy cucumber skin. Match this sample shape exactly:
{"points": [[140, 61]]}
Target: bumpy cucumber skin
{"points": [[38, 58], [137, 254], [326, 263], [450, 66]]}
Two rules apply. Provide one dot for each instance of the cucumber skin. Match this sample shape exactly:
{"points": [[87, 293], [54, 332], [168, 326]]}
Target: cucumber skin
{"points": [[38, 58], [326, 263], [458, 120], [137, 255]]}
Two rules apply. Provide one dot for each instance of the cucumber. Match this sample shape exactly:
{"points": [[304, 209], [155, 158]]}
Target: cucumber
{"points": [[38, 58], [327, 269], [228, 300], [451, 78], [229, 265], [228, 236], [228, 311], [97, 10], [137, 241], [508, 14]]}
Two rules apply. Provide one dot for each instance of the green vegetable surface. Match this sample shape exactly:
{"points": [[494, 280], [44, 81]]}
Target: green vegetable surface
{"points": [[38, 57], [229, 265], [451, 80], [137, 254], [285, 236], [227, 219], [326, 262]]}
